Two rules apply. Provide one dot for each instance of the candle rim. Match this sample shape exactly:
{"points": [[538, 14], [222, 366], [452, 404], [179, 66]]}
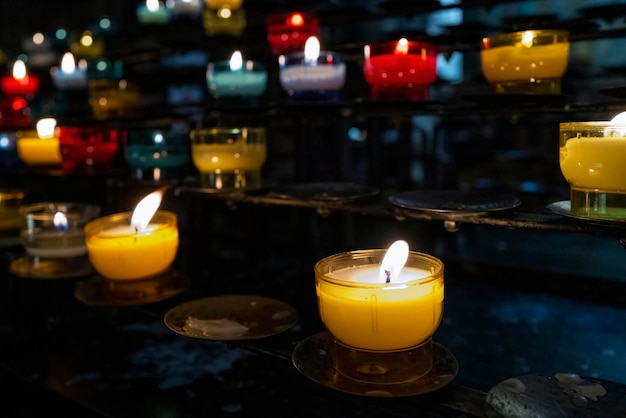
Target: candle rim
{"points": [[165, 219]]}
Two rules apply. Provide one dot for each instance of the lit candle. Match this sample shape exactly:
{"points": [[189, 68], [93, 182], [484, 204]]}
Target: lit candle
{"points": [[88, 45], [155, 153], [288, 32], [400, 70], [153, 13], [224, 21], [69, 76], [189, 8], [40, 147], [20, 83], [229, 158], [87, 150], [137, 245], [311, 71], [531, 61], [591, 157], [236, 77], [218, 4], [380, 305], [55, 230], [112, 98]]}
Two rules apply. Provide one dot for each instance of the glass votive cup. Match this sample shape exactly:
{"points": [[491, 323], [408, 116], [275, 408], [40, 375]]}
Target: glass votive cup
{"points": [[288, 32], [10, 202], [38, 151], [219, 4], [224, 21], [229, 157], [156, 154], [102, 69], [402, 70], [526, 62], [9, 158], [118, 251], [88, 150], [15, 112], [112, 98], [591, 159], [319, 79], [381, 332], [243, 85]]}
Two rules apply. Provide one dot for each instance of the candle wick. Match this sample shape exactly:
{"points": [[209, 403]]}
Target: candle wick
{"points": [[388, 273]]}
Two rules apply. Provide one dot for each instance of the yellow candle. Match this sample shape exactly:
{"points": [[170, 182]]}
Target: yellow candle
{"points": [[509, 63], [118, 251], [364, 313], [34, 150], [218, 4], [239, 155], [594, 163]]}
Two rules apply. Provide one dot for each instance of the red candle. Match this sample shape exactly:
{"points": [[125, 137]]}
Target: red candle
{"points": [[20, 83], [87, 150], [402, 70], [288, 32]]}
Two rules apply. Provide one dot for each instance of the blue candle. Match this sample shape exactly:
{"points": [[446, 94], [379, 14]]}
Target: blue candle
{"points": [[153, 12], [236, 77]]}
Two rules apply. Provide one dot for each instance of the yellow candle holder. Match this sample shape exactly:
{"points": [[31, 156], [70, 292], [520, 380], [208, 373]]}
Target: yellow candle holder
{"points": [[229, 158], [118, 251], [591, 158], [112, 98], [34, 150], [526, 62], [10, 202], [224, 21]]}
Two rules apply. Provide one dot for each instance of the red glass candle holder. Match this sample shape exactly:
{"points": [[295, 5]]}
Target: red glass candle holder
{"points": [[288, 32], [15, 112], [88, 150], [402, 70], [20, 82]]}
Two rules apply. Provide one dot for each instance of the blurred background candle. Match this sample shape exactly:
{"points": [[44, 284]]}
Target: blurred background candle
{"points": [[157, 154], [69, 76], [526, 62], [40, 147], [402, 70], [224, 21], [312, 74], [15, 112], [9, 158], [288, 32], [20, 83], [186, 8], [112, 98], [153, 12], [229, 158], [11, 200], [133, 246], [218, 4], [237, 78], [591, 157], [381, 311], [87, 45], [88, 150]]}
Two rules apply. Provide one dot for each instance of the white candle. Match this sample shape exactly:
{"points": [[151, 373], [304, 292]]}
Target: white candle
{"points": [[69, 76]]}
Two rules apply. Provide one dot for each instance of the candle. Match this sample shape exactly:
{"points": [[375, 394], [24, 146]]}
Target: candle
{"points": [[532, 61], [87, 45], [69, 76], [156, 153], [402, 70], [153, 13], [137, 245], [362, 310], [591, 158], [288, 32], [224, 21], [312, 71], [218, 4], [191, 8], [9, 158], [40, 147], [10, 202], [112, 98], [236, 78], [20, 83], [55, 229], [87, 149], [15, 112], [229, 158]]}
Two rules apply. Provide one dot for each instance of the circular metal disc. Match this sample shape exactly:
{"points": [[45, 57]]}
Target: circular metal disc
{"points": [[311, 358], [454, 201], [231, 317], [325, 191]]}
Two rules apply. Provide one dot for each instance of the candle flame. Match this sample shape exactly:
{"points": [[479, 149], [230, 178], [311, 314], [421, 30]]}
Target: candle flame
{"points": [[312, 49], [68, 65], [145, 210], [296, 19], [60, 221], [618, 130], [527, 38], [402, 47], [19, 70], [236, 61], [152, 5], [394, 261], [45, 127]]}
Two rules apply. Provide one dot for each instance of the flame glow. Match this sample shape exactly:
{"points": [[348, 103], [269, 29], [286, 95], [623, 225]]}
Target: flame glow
{"points": [[311, 49], [527, 38], [19, 70], [145, 210], [68, 65], [46, 127], [394, 260], [60, 221], [402, 47], [236, 61], [296, 19], [152, 5]]}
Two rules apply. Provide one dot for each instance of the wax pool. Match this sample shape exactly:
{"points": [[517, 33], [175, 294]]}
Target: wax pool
{"points": [[361, 312], [239, 155], [510, 63], [117, 251]]}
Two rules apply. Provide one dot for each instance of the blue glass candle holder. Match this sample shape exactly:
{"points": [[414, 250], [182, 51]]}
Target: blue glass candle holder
{"points": [[157, 154], [244, 84]]}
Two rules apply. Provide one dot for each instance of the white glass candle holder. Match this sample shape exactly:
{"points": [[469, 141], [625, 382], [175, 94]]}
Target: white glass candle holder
{"points": [[53, 237], [381, 332], [526, 62], [591, 158], [315, 79], [228, 157]]}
